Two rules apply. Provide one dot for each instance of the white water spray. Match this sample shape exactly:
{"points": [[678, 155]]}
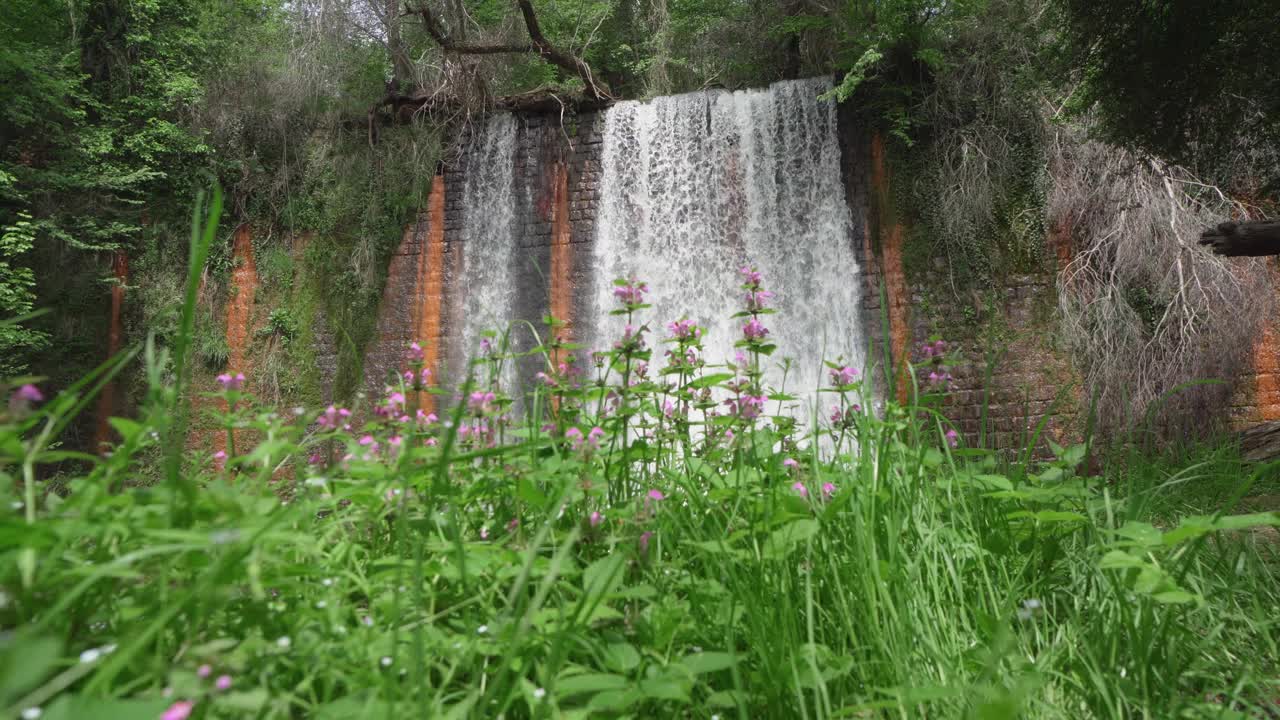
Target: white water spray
{"points": [[696, 186]]}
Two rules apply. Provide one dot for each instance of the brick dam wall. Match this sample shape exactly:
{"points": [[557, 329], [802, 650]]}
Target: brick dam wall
{"points": [[557, 177]]}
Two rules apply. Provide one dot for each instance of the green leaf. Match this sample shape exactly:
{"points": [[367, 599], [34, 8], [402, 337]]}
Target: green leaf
{"points": [[568, 687], [784, 540], [24, 662], [708, 662]]}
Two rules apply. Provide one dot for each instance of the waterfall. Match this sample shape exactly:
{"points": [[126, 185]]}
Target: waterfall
{"points": [[488, 236], [695, 186]]}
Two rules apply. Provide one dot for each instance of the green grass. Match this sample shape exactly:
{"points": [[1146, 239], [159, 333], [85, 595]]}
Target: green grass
{"points": [[458, 577]]}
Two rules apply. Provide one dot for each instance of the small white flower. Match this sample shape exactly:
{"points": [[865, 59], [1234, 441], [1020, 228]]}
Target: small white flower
{"points": [[457, 646], [284, 642], [367, 621], [32, 713], [1031, 604], [715, 717], [167, 692], [299, 411], [540, 693], [327, 582], [340, 629], [90, 655], [315, 482], [108, 648], [482, 629], [17, 505], [224, 537], [386, 661], [320, 604]]}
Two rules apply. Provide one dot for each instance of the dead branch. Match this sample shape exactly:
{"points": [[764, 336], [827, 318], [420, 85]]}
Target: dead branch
{"points": [[1246, 239], [538, 44]]}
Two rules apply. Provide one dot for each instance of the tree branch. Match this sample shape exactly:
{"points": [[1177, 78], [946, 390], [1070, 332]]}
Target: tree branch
{"points": [[538, 43], [1246, 239]]}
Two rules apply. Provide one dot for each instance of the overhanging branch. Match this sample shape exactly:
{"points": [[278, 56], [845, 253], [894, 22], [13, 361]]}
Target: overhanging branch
{"points": [[538, 44]]}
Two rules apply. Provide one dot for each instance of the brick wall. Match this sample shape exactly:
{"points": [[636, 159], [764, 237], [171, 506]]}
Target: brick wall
{"points": [[557, 173]]}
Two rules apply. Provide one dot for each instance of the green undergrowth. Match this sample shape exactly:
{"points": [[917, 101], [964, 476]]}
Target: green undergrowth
{"points": [[617, 550]]}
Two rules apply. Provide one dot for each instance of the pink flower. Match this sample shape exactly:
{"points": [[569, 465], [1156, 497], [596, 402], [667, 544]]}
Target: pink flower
{"points": [[486, 346], [953, 438], [180, 710], [395, 442], [484, 533], [644, 540], [28, 393], [426, 376], [223, 683], [481, 402], [668, 407], [333, 418], [204, 671], [596, 518], [409, 377], [828, 489], [790, 463], [728, 437], [231, 382], [756, 299], [396, 399], [220, 459], [415, 352], [750, 276], [837, 415], [425, 418], [683, 329], [800, 489], [754, 329], [630, 292], [844, 376], [315, 459], [593, 437], [656, 495], [513, 525], [574, 435]]}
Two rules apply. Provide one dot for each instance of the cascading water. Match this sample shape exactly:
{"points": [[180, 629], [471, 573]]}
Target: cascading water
{"points": [[489, 236], [695, 186]]}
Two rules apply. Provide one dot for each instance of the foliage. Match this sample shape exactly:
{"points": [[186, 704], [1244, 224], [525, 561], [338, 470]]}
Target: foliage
{"points": [[627, 549], [17, 296], [1193, 84]]}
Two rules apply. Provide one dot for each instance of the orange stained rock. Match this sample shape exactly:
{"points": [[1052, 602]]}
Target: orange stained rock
{"points": [[244, 286], [430, 285], [115, 335], [561, 301], [1266, 364], [891, 235]]}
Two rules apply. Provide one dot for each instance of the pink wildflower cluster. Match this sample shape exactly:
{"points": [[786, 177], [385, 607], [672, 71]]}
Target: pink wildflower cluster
{"points": [[632, 338], [756, 299], [846, 417], [933, 355], [586, 443], [746, 407], [684, 329], [417, 380], [23, 398], [754, 329], [335, 418], [481, 402], [844, 376], [630, 292], [231, 383]]}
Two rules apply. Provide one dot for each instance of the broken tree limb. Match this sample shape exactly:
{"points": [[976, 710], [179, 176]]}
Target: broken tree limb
{"points": [[1246, 239], [538, 43], [1261, 443]]}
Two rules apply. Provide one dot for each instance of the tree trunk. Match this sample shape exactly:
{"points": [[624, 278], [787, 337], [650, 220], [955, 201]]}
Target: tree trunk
{"points": [[1247, 239], [1261, 443]]}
